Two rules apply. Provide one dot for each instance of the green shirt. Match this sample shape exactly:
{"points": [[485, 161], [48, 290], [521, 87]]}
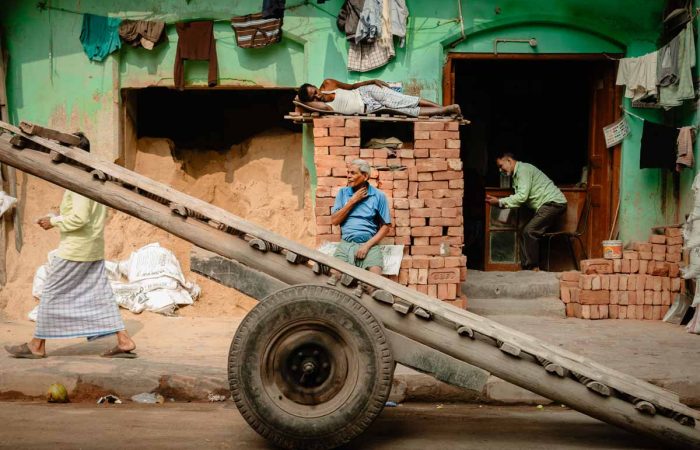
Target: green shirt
{"points": [[532, 188], [82, 226]]}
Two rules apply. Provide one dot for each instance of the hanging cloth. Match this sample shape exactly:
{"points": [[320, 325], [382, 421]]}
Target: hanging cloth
{"points": [[349, 17], [141, 33], [658, 146], [273, 9], [369, 28], [674, 94], [639, 76], [195, 42], [399, 16], [100, 36], [684, 154]]}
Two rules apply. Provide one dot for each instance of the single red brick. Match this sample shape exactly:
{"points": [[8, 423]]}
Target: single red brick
{"points": [[429, 126], [623, 282], [658, 248], [421, 135], [646, 255], [426, 231], [630, 255], [571, 275], [648, 312], [401, 203], [426, 212], [452, 143], [671, 257], [431, 166], [440, 276], [614, 282], [598, 265], [657, 239], [622, 312], [352, 141], [456, 184], [603, 311], [421, 152], [625, 266], [454, 164], [320, 132], [644, 266], [587, 297], [455, 231], [429, 143], [329, 141], [425, 250], [641, 246], [437, 262], [329, 122], [617, 265], [634, 265], [675, 249], [445, 153], [665, 297], [446, 222], [674, 240], [614, 312]]}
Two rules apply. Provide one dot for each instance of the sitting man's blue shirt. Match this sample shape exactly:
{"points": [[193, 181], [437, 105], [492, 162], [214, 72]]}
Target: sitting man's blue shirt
{"points": [[364, 220]]}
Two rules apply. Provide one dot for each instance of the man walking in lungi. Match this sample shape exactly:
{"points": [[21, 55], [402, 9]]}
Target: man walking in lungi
{"points": [[77, 300]]}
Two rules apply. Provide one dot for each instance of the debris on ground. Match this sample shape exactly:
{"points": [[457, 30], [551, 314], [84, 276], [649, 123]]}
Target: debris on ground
{"points": [[216, 397], [148, 397], [109, 399]]}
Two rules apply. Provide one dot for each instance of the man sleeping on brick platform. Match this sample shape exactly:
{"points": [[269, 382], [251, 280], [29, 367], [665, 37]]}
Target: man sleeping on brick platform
{"points": [[368, 97], [362, 211]]}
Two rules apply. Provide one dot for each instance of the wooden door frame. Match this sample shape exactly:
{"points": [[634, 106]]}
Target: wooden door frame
{"points": [[602, 162]]}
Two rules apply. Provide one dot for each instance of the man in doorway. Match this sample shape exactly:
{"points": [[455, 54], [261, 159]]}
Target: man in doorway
{"points": [[362, 211], [77, 299], [368, 97], [535, 190]]}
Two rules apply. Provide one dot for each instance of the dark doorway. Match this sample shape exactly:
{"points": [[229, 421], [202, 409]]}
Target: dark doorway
{"points": [[539, 108], [212, 119]]}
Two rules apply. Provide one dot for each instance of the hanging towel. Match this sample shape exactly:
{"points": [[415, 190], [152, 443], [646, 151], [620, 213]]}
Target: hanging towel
{"points": [[639, 76], [399, 16], [349, 17], [369, 28], [674, 94], [145, 33], [658, 146], [667, 63], [100, 36], [684, 154], [195, 42], [365, 57]]}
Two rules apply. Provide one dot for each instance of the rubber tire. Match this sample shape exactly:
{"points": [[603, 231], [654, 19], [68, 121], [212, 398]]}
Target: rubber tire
{"points": [[367, 398]]}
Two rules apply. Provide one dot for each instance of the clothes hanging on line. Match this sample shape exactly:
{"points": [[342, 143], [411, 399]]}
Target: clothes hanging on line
{"points": [[377, 47], [142, 33], [273, 9], [684, 152], [369, 28], [674, 94], [667, 63], [349, 17], [100, 36], [195, 42], [658, 149], [638, 75]]}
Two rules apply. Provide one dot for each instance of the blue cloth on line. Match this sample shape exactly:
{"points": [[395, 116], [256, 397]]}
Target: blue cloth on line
{"points": [[364, 220], [100, 36]]}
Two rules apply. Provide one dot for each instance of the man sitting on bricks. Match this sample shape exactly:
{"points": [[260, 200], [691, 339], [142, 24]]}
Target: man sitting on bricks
{"points": [[368, 97], [362, 211]]}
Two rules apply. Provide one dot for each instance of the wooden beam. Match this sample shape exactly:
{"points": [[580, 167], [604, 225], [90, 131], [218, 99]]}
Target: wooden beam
{"points": [[48, 133]]}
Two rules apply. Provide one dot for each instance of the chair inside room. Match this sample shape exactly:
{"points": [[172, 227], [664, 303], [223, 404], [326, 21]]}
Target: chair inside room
{"points": [[571, 227]]}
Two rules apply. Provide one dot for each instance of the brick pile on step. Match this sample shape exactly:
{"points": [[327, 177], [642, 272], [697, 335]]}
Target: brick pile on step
{"points": [[424, 185], [641, 285]]}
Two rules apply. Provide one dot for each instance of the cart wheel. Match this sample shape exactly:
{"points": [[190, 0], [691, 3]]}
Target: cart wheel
{"points": [[310, 367]]}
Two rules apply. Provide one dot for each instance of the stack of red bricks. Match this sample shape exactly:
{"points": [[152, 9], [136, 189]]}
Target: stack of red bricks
{"points": [[424, 185], [641, 285]]}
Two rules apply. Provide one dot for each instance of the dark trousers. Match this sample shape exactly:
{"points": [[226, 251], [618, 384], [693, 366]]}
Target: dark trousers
{"points": [[543, 219]]}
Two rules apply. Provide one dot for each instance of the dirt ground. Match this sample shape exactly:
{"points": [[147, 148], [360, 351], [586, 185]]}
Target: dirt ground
{"points": [[262, 180], [219, 425]]}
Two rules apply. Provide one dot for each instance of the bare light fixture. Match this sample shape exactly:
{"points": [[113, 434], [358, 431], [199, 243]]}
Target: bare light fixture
{"points": [[532, 42]]}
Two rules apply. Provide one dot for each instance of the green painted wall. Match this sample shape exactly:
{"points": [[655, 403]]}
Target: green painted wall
{"points": [[50, 80]]}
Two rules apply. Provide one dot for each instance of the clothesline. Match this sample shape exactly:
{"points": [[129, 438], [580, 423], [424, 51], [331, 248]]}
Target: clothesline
{"points": [[45, 5], [630, 113]]}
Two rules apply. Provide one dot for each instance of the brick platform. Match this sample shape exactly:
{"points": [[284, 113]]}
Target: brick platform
{"points": [[424, 184], [641, 285]]}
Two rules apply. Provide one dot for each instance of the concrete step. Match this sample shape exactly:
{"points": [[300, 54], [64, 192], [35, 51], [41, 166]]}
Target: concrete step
{"points": [[525, 284], [540, 307]]}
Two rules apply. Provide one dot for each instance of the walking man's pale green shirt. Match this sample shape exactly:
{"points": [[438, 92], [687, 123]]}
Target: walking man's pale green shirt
{"points": [[532, 188], [82, 225]]}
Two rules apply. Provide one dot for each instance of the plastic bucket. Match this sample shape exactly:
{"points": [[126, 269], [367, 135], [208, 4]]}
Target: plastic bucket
{"points": [[612, 249]]}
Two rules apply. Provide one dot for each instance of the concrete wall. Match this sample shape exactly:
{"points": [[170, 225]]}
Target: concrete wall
{"points": [[51, 81]]}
